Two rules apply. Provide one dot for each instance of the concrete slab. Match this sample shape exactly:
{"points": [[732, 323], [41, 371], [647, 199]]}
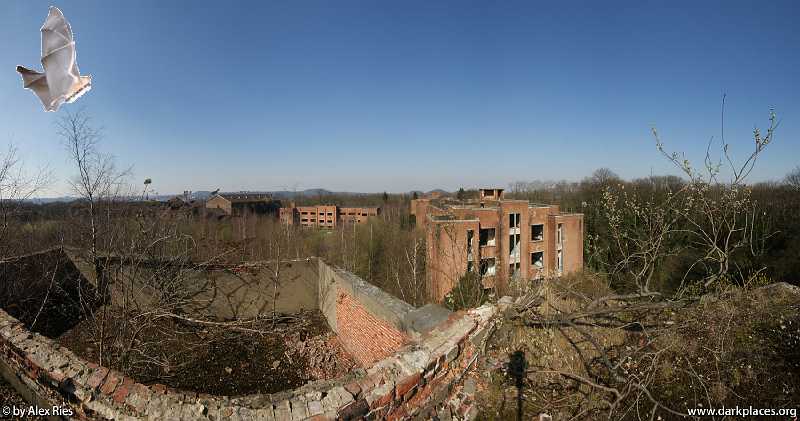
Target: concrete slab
{"points": [[425, 318]]}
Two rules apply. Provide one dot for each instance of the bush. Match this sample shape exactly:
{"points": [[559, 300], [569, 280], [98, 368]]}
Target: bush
{"points": [[468, 293]]}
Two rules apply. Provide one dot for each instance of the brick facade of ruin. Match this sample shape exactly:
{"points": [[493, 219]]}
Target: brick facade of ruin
{"points": [[450, 254], [326, 216]]}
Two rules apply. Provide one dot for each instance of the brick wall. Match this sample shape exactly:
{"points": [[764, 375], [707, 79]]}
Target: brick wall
{"points": [[421, 380], [409, 374], [447, 255], [366, 337], [54, 376], [414, 383]]}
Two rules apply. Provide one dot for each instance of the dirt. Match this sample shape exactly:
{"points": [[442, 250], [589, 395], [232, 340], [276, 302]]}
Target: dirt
{"points": [[219, 360], [46, 292]]}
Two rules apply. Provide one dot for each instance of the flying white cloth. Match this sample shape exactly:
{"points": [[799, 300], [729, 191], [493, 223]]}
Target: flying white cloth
{"points": [[61, 81]]}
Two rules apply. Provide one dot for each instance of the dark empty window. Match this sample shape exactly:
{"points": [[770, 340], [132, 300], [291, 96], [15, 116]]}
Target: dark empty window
{"points": [[537, 259], [513, 220], [560, 261], [537, 232], [487, 267], [486, 237]]}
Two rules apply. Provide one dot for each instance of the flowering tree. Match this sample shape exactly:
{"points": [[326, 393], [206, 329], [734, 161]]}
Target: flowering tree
{"points": [[710, 215]]}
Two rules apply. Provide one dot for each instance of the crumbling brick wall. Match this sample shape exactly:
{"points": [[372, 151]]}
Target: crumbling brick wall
{"points": [[366, 337], [370, 323], [422, 379], [417, 375], [414, 383]]}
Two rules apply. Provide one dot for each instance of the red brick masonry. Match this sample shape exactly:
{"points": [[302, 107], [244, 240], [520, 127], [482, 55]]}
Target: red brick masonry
{"points": [[409, 374], [415, 382], [364, 336]]}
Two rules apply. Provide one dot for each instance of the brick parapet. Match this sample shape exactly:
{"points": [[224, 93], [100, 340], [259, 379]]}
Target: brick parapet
{"points": [[416, 375]]}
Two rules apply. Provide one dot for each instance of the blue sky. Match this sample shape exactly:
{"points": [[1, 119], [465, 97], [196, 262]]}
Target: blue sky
{"points": [[374, 96]]}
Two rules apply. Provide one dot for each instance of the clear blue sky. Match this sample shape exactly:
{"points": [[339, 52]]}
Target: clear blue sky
{"points": [[373, 96]]}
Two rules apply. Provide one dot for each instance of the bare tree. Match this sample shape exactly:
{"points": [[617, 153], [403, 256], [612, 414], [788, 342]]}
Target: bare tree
{"points": [[710, 216], [639, 229], [718, 214], [279, 240], [16, 186], [97, 182], [415, 258], [464, 285], [604, 176], [793, 179]]}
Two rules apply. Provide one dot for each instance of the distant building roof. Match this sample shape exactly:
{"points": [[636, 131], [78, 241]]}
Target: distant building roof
{"points": [[245, 197], [491, 193]]}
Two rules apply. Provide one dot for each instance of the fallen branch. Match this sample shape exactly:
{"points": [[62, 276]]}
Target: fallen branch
{"points": [[570, 318], [583, 380], [237, 324]]}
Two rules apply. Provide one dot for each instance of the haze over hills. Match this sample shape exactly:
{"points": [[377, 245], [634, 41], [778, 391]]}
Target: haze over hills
{"points": [[205, 194]]}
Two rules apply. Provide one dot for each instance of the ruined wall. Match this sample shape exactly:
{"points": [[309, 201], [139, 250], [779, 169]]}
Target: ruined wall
{"points": [[422, 380], [423, 353], [364, 336], [247, 291], [369, 322], [221, 292], [418, 381], [447, 257], [573, 241]]}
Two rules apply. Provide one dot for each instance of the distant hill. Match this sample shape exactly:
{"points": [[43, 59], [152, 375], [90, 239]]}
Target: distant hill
{"points": [[205, 194], [45, 200], [285, 194], [440, 191]]}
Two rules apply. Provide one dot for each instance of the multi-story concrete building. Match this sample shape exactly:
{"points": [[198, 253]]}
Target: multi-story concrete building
{"points": [[498, 239], [326, 216]]}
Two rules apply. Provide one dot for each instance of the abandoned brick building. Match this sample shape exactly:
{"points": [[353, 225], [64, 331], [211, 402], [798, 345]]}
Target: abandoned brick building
{"points": [[497, 238], [326, 216], [239, 203]]}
